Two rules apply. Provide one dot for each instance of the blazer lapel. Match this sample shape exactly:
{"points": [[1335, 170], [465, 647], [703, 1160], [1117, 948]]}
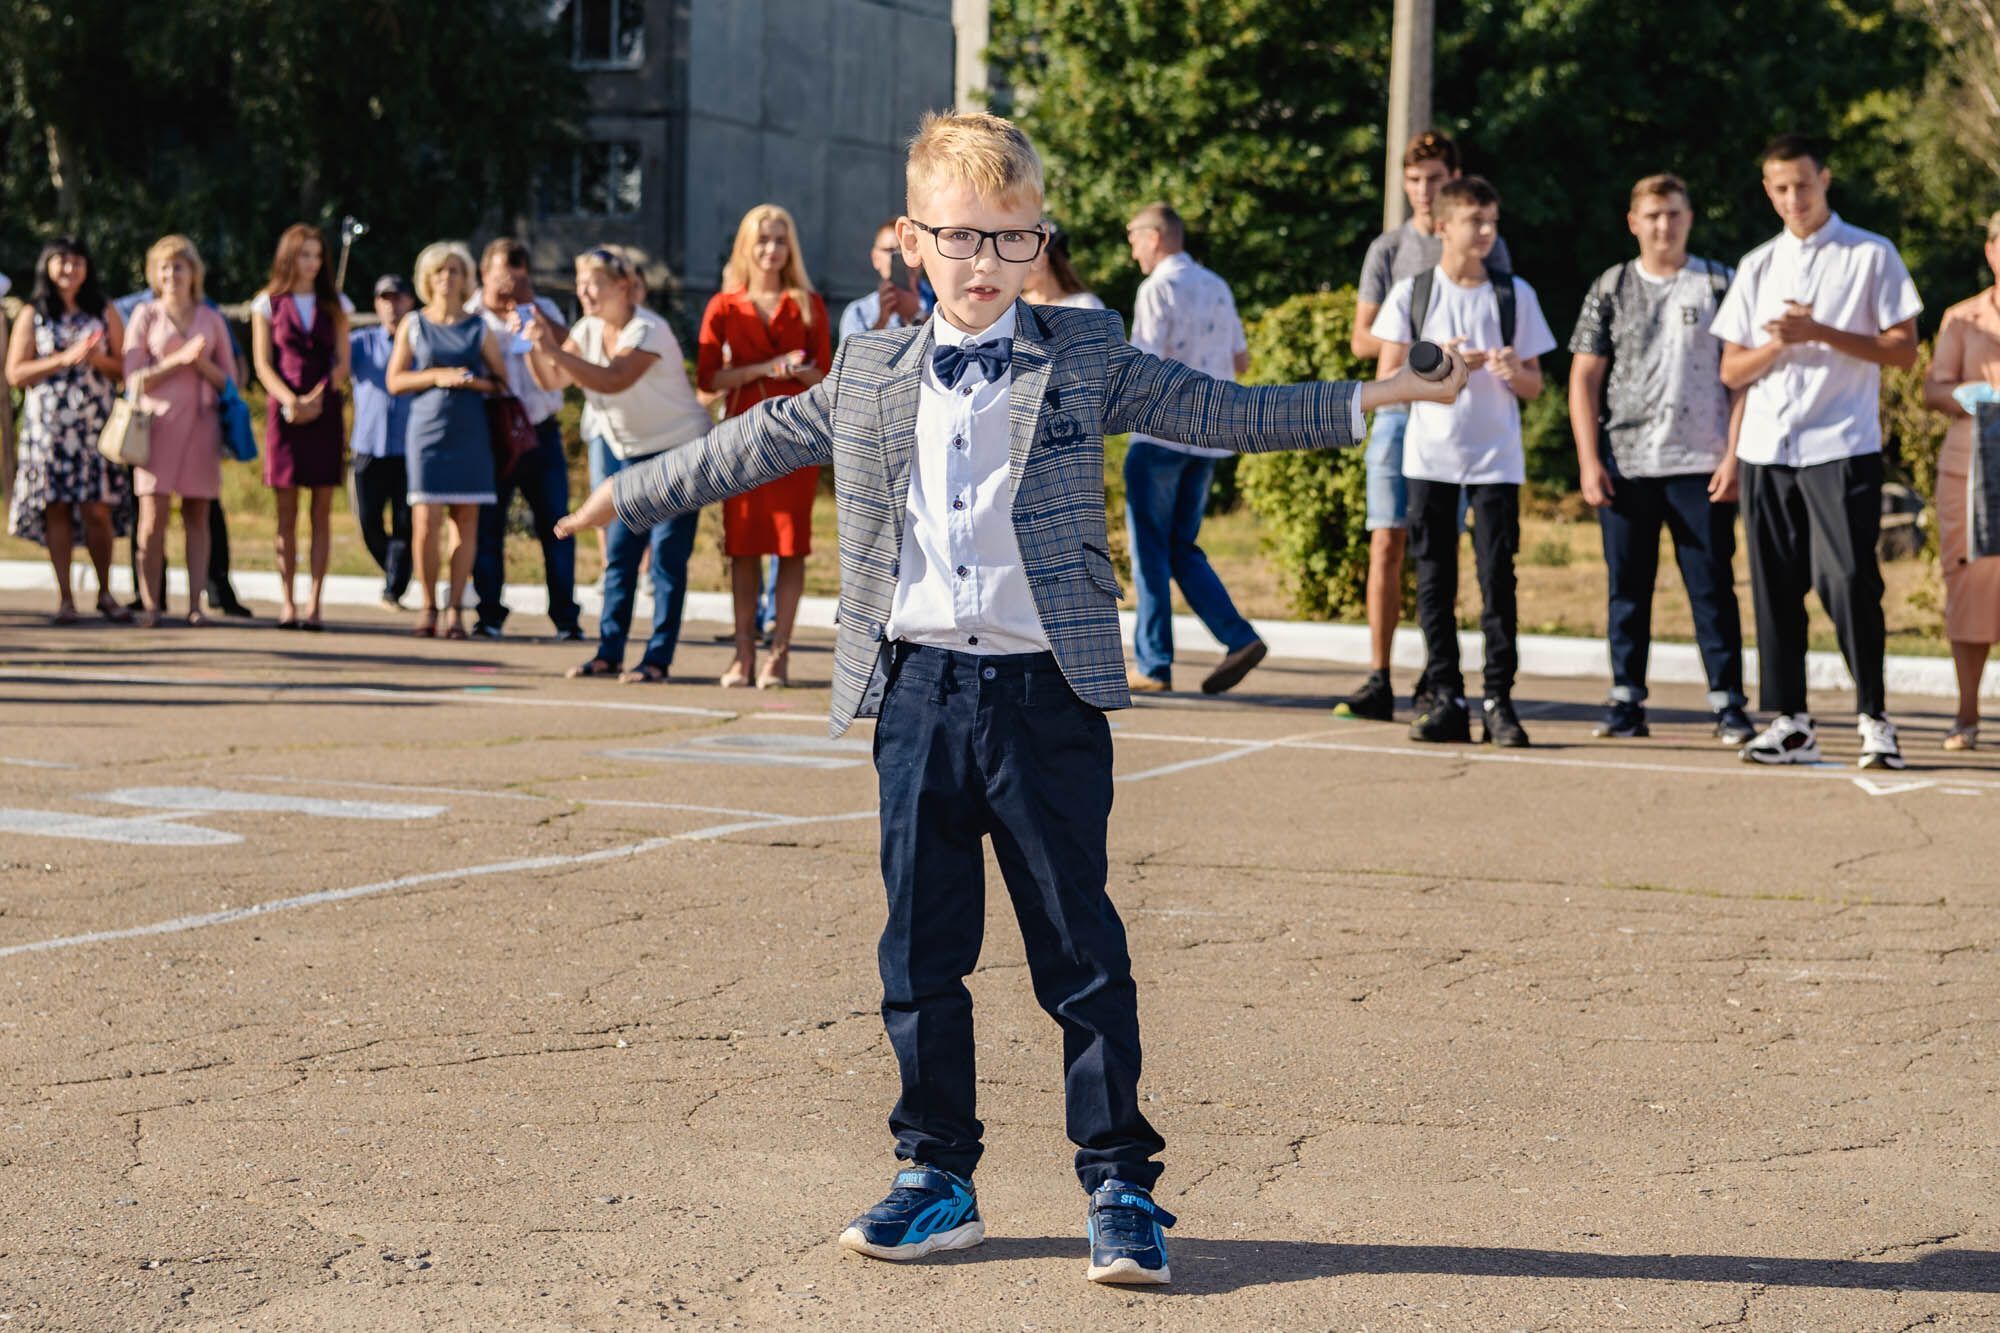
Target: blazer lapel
{"points": [[896, 418], [1031, 381]]}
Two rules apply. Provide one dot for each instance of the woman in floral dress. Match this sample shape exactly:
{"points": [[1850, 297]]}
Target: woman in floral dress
{"points": [[65, 350]]}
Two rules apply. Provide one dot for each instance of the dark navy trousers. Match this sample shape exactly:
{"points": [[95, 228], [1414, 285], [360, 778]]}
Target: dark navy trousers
{"points": [[969, 748], [1704, 536]]}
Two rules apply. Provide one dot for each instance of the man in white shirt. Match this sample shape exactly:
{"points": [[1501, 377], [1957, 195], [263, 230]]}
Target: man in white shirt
{"points": [[1184, 313], [893, 304], [1812, 318], [1468, 449], [505, 299]]}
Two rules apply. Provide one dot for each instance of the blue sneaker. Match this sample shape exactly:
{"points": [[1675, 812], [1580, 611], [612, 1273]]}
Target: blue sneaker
{"points": [[927, 1210], [1126, 1244]]}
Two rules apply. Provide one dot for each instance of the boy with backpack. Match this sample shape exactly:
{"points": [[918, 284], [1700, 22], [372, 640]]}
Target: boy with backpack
{"points": [[1651, 417], [1470, 447]]}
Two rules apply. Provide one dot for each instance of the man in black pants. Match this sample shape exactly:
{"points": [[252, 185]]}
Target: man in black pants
{"points": [[1651, 420], [1812, 318]]}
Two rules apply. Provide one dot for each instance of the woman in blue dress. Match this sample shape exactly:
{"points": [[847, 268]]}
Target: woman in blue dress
{"points": [[451, 363]]}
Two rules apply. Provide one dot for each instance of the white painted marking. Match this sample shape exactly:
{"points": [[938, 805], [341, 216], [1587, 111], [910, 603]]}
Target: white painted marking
{"points": [[1245, 748], [212, 799], [516, 796], [226, 916], [1874, 788], [140, 832], [35, 763], [430, 696], [518, 701], [755, 748]]}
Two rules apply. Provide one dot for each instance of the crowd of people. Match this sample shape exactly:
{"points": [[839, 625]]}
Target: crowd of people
{"points": [[1695, 388]]}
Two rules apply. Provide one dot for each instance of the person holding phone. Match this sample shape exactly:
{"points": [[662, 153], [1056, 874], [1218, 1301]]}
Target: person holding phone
{"points": [[896, 301], [773, 328]]}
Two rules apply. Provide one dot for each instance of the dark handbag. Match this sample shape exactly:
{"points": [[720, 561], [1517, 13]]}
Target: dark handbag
{"points": [[1982, 501], [239, 441], [512, 434]]}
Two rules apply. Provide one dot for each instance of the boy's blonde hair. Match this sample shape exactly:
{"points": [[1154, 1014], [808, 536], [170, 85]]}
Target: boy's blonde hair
{"points": [[177, 246], [742, 258], [987, 154]]}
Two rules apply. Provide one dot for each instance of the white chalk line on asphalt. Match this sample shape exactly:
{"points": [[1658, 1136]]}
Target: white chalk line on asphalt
{"points": [[1245, 749], [450, 694], [517, 796], [226, 916]]}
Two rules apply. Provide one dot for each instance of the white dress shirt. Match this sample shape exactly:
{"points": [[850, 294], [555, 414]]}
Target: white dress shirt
{"points": [[960, 583], [1185, 313], [1816, 405], [540, 404]]}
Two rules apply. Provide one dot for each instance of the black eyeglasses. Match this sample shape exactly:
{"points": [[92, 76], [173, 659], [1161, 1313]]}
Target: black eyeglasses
{"points": [[1017, 246]]}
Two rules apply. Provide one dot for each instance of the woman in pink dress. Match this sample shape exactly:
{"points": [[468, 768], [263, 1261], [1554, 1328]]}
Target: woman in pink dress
{"points": [[177, 358], [298, 343]]}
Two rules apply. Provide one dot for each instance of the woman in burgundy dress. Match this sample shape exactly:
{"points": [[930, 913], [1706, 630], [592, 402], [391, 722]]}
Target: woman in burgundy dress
{"points": [[298, 340]]}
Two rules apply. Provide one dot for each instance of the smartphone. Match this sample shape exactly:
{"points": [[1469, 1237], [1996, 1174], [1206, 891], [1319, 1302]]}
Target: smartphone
{"points": [[899, 272]]}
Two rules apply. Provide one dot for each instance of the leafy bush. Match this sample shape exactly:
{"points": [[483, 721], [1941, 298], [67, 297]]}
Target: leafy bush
{"points": [[1313, 505]]}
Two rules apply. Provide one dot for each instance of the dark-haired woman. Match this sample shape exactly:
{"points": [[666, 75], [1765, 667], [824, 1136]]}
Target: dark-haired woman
{"points": [[298, 342], [66, 351]]}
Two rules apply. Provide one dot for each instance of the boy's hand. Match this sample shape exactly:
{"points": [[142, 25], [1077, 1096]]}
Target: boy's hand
{"points": [[1474, 358], [1596, 484], [595, 512], [1722, 483], [1795, 326], [1504, 363]]}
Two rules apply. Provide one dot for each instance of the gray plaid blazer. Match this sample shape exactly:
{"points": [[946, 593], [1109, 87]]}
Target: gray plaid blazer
{"points": [[1076, 379]]}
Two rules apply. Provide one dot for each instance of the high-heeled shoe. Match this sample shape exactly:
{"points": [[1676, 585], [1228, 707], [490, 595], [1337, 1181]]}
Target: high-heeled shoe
{"points": [[735, 678], [774, 675], [427, 624]]}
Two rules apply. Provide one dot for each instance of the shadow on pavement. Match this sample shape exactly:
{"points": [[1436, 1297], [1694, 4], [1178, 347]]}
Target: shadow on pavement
{"points": [[1208, 1267]]}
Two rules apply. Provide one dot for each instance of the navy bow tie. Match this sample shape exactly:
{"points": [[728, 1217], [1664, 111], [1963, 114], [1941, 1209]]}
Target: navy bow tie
{"points": [[993, 359]]}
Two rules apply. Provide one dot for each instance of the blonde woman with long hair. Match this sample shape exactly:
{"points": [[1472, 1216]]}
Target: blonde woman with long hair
{"points": [[772, 328]]}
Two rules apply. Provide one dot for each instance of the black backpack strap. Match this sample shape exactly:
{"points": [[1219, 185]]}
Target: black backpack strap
{"points": [[1420, 301], [1717, 282], [1503, 296]]}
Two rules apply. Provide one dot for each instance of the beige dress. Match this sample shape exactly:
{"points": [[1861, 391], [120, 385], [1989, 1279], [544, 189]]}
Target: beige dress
{"points": [[1968, 348]]}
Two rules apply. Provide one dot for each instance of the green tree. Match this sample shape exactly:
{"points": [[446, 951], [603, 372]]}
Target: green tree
{"points": [[229, 119]]}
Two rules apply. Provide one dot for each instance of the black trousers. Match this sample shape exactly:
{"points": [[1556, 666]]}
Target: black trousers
{"points": [[542, 476], [383, 485], [1496, 539], [1704, 536], [1815, 527], [969, 748]]}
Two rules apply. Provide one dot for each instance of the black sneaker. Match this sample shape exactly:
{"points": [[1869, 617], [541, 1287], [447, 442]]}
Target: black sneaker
{"points": [[927, 1210], [484, 630], [570, 634], [1499, 726], [1734, 727], [1127, 1246], [1442, 721], [1373, 702], [1623, 719]]}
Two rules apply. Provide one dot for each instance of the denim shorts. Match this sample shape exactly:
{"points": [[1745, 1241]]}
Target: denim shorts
{"points": [[1388, 495]]}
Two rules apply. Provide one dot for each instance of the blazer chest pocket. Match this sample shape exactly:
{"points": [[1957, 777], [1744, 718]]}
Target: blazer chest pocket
{"points": [[1097, 564]]}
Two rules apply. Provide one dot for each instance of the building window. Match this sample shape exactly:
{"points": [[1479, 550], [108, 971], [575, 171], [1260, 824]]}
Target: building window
{"points": [[604, 33], [597, 180]]}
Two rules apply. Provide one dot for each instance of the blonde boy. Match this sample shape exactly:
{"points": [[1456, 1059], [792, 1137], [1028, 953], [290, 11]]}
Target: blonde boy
{"points": [[979, 625]]}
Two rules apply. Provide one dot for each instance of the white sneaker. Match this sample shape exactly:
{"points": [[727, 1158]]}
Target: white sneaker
{"points": [[1788, 740], [1878, 742]]}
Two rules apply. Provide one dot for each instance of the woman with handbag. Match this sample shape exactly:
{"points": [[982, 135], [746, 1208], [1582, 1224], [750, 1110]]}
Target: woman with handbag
{"points": [[1967, 353], [637, 403], [66, 353], [298, 342], [439, 353], [177, 359], [773, 328]]}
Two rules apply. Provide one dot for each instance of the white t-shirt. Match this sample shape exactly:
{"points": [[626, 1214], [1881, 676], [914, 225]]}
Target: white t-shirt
{"points": [[1081, 301], [261, 304], [659, 411], [1476, 440], [1816, 405]]}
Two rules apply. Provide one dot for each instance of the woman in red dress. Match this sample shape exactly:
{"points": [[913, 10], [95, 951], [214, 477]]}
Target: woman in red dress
{"points": [[765, 335]]}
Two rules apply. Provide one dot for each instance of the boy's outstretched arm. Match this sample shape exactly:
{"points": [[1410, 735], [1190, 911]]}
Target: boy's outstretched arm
{"points": [[777, 437], [1167, 399]]}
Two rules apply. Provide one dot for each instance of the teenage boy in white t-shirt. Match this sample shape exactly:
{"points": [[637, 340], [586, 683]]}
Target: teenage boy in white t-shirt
{"points": [[1470, 447], [1811, 320]]}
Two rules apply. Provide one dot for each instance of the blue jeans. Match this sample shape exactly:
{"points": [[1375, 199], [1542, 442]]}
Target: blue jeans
{"points": [[969, 748], [1704, 536], [1165, 494], [671, 543], [542, 476]]}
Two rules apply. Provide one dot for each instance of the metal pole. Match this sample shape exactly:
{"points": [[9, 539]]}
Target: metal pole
{"points": [[1410, 44]]}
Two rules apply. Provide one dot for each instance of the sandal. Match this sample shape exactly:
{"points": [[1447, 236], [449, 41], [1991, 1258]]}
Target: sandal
{"points": [[454, 624], [109, 608], [596, 666], [427, 624], [198, 619], [774, 676], [1962, 736], [643, 674], [735, 678], [65, 615]]}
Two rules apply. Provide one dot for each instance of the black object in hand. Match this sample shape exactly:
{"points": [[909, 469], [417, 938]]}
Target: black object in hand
{"points": [[1428, 360]]}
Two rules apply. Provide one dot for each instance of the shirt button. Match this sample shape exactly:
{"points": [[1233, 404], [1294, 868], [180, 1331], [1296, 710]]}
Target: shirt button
{"points": [[988, 673], [958, 441], [972, 638], [965, 392], [958, 504], [962, 571]]}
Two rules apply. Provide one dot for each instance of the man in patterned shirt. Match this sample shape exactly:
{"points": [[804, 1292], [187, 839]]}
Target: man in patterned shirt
{"points": [[1652, 423], [1184, 313]]}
